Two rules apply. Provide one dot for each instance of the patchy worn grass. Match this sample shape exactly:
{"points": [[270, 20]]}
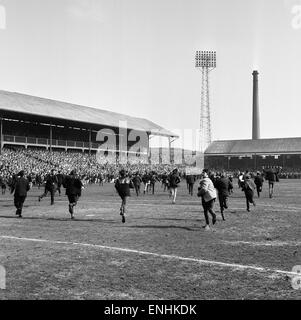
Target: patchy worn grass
{"points": [[158, 235]]}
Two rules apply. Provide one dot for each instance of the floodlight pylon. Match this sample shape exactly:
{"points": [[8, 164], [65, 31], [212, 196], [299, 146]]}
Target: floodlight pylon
{"points": [[206, 62]]}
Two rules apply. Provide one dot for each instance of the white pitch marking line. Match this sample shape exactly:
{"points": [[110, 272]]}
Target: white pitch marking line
{"points": [[265, 244], [257, 206], [170, 257]]}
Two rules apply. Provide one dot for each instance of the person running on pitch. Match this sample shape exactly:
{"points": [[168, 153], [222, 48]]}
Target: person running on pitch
{"points": [[248, 187], [73, 186], [153, 180], [20, 187], [208, 194], [39, 180], [146, 180], [3, 185], [123, 185], [240, 179], [259, 183], [100, 179], [60, 180], [231, 184], [222, 186], [270, 176], [190, 179], [173, 182], [51, 186], [137, 183], [165, 182]]}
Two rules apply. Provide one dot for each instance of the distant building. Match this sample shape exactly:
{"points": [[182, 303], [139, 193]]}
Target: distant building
{"points": [[254, 154]]}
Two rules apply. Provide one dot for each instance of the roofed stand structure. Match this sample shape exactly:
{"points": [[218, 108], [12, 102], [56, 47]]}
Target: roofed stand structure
{"points": [[30, 121], [254, 154]]}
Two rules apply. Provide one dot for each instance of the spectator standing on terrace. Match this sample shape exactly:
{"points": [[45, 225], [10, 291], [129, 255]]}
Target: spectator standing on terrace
{"points": [[20, 187], [208, 194], [173, 182], [50, 186], [123, 185], [73, 186]]}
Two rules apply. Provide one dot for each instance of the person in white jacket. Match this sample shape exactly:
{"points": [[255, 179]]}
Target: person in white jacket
{"points": [[209, 195]]}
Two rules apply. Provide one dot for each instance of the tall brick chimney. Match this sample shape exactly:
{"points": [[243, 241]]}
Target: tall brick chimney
{"points": [[256, 118]]}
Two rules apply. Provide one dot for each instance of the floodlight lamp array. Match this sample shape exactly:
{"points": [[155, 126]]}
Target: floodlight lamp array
{"points": [[205, 59]]}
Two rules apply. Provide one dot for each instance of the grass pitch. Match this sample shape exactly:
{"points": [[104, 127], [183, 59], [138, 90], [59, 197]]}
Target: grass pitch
{"points": [[162, 252]]}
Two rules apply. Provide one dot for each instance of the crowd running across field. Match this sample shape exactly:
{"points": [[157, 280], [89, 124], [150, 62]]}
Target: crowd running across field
{"points": [[22, 169]]}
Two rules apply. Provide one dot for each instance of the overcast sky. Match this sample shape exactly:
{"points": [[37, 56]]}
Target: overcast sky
{"points": [[137, 57]]}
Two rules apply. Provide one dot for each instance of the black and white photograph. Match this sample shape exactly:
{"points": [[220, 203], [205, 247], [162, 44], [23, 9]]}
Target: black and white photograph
{"points": [[150, 152]]}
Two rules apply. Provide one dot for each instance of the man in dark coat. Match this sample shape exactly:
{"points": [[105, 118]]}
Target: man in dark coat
{"points": [[222, 186], [153, 180], [39, 180], [73, 186], [100, 179], [60, 180], [123, 185], [20, 187], [190, 179], [137, 183], [164, 179], [259, 183], [231, 187], [3, 185], [51, 186], [271, 177], [146, 180], [248, 188], [173, 182]]}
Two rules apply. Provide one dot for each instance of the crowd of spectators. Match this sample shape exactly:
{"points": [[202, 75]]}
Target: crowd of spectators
{"points": [[283, 173], [91, 168], [95, 167]]}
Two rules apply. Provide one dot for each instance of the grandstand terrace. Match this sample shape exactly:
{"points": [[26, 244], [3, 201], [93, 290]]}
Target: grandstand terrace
{"points": [[33, 122], [254, 154]]}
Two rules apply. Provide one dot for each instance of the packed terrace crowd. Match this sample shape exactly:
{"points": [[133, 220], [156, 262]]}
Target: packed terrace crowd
{"points": [[92, 168]]}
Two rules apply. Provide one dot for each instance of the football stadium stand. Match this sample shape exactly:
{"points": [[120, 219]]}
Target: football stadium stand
{"points": [[254, 154], [32, 122]]}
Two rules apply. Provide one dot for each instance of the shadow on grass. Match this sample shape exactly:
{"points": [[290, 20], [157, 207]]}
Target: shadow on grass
{"points": [[58, 219], [116, 222], [168, 219], [165, 227]]}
